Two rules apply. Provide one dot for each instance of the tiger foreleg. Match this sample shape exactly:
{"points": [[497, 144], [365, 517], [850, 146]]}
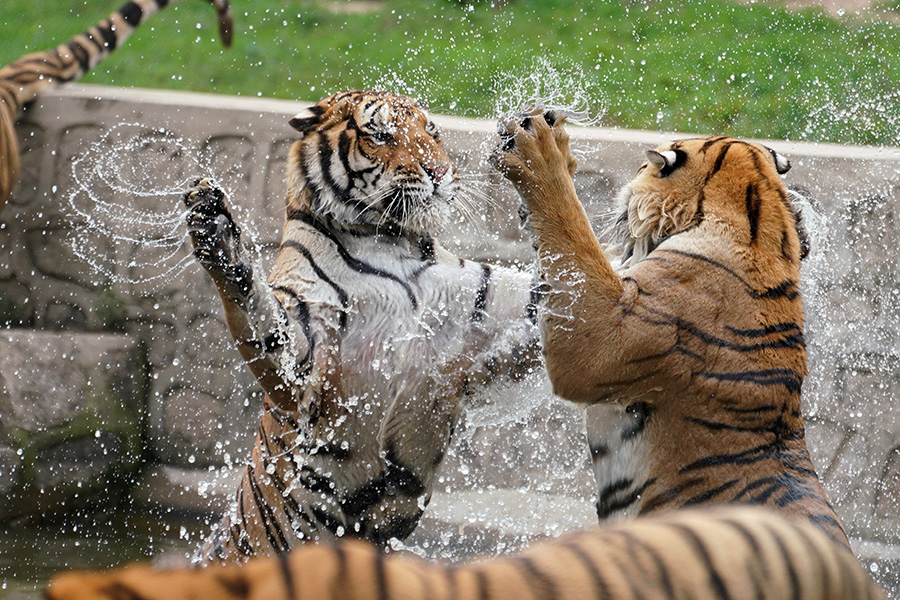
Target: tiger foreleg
{"points": [[269, 340], [584, 291]]}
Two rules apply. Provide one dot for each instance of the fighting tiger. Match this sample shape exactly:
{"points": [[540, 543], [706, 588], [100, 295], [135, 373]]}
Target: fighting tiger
{"points": [[23, 79], [735, 553], [367, 336], [694, 353]]}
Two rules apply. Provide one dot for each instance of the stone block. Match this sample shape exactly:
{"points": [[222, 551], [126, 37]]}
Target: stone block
{"points": [[71, 412]]}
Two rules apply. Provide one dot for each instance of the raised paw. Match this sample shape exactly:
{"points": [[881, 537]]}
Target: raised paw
{"points": [[216, 237]]}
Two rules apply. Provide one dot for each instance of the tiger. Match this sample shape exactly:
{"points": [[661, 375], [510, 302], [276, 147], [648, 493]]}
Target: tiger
{"points": [[22, 80], [739, 553], [690, 357], [367, 337]]}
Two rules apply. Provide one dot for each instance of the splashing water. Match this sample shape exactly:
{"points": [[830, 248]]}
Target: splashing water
{"points": [[129, 220], [551, 84]]}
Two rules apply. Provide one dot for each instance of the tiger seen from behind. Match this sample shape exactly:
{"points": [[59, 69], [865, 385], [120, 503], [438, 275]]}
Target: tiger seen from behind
{"points": [[367, 336], [692, 356], [736, 553]]}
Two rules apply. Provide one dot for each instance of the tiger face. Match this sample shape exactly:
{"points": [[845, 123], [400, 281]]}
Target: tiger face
{"points": [[687, 182], [371, 158]]}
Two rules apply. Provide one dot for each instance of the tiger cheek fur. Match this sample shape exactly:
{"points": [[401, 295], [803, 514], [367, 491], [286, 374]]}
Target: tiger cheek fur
{"points": [[700, 331]]}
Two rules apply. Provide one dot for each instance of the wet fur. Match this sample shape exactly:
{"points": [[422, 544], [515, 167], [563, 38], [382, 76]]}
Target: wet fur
{"points": [[367, 336]]}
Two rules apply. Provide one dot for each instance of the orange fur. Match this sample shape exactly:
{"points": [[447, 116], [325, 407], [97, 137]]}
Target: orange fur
{"points": [[704, 333], [742, 554]]}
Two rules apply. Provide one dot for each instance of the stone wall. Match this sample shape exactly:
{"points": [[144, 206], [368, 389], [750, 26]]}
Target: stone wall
{"points": [[202, 405]]}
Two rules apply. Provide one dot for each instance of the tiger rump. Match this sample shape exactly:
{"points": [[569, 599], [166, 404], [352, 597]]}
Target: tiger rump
{"points": [[367, 336], [740, 554], [695, 349], [23, 79]]}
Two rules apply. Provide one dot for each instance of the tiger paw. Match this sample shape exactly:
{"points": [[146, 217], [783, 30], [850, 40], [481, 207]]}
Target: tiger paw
{"points": [[534, 153], [217, 238]]}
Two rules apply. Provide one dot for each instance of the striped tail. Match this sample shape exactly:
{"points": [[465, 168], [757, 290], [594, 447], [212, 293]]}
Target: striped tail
{"points": [[22, 80]]}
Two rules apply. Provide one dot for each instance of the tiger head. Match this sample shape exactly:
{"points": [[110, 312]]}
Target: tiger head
{"points": [[371, 158], [719, 182]]}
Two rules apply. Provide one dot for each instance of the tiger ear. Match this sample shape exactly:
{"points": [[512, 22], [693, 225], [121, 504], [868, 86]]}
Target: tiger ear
{"points": [[308, 118], [661, 160], [782, 165]]}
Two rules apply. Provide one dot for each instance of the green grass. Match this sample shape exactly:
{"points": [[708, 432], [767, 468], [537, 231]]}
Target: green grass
{"points": [[701, 66]]}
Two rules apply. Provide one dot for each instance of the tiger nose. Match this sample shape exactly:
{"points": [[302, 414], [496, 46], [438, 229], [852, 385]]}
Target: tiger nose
{"points": [[436, 172]]}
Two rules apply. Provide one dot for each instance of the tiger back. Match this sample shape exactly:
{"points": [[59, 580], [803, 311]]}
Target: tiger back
{"points": [[23, 79], [736, 553], [692, 355]]}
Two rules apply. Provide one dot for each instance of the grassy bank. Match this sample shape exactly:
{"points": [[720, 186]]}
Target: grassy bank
{"points": [[705, 66]]}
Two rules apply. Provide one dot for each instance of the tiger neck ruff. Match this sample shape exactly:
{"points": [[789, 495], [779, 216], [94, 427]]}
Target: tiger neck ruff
{"points": [[698, 341], [368, 334]]}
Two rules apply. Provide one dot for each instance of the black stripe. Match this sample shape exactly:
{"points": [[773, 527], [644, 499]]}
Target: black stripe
{"points": [[786, 289], [717, 426], [302, 311], [710, 494], [380, 576], [605, 509], [366, 495], [132, 13], [481, 296], [635, 543], [340, 291], [746, 457], [266, 515], [788, 562], [81, 55], [715, 580], [767, 378], [109, 36], [752, 204], [541, 584], [664, 497], [534, 299], [287, 576], [481, 584], [600, 584], [329, 522], [399, 476], [117, 590], [342, 576], [710, 142], [767, 330], [793, 340], [352, 262], [756, 551], [717, 166], [598, 450]]}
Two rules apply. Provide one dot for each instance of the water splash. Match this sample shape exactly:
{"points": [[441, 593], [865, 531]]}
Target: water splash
{"points": [[129, 221], [554, 84]]}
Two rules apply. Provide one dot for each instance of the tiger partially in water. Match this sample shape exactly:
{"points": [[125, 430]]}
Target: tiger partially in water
{"points": [[23, 79], [367, 336], [691, 357]]}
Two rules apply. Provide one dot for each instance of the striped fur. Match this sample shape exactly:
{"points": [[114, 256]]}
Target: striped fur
{"points": [[367, 336], [734, 554], [692, 356], [23, 79]]}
